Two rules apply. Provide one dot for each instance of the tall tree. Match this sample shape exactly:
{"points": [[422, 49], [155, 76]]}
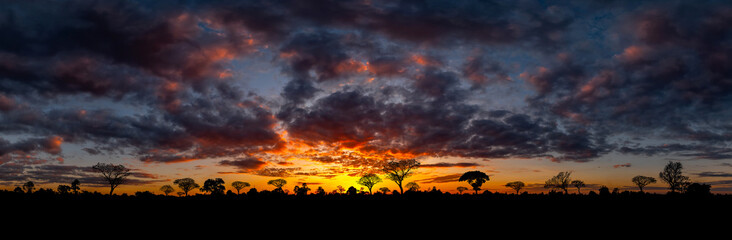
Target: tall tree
{"points": [[369, 180], [28, 187], [398, 170], [642, 181], [75, 186], [673, 176], [475, 179], [239, 185], [186, 185], [115, 175], [214, 186], [301, 190], [560, 181], [516, 185]]}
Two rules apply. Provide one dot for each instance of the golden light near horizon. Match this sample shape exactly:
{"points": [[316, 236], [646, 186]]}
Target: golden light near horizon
{"points": [[254, 91]]}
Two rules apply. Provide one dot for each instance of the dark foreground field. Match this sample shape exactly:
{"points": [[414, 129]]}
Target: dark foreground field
{"points": [[427, 213], [425, 201]]}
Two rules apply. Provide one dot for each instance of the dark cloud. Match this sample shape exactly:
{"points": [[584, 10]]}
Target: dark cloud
{"points": [[663, 81], [714, 174], [363, 77], [244, 164], [435, 123], [442, 179], [449, 165]]}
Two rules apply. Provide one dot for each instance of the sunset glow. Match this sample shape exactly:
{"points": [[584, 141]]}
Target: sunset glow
{"points": [[325, 92]]}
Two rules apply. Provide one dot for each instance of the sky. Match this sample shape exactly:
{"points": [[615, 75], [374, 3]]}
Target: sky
{"points": [[323, 92]]}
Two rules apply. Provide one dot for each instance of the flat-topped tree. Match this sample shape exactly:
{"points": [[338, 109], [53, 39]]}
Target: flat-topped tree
{"points": [[369, 180], [115, 175], [475, 179], [398, 170]]}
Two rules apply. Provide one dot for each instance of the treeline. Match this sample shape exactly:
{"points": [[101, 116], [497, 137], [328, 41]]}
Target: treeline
{"points": [[695, 192], [680, 186]]}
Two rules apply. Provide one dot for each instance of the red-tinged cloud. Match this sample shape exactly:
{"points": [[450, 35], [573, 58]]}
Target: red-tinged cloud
{"points": [[622, 165], [358, 82], [246, 164], [449, 165]]}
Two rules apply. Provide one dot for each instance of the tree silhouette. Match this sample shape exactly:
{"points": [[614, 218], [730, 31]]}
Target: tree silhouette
{"points": [[475, 179], [642, 181], [320, 191], [239, 185], [28, 187], [186, 185], [578, 184], [214, 186], [560, 181], [167, 189], [63, 189], [398, 170], [301, 190], [75, 186], [278, 184], [461, 189], [517, 185], [698, 190], [384, 190], [369, 180], [412, 186], [114, 174], [351, 191], [672, 175]]}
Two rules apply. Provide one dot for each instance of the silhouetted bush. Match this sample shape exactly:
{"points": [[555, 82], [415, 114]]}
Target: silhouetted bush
{"points": [[699, 190]]}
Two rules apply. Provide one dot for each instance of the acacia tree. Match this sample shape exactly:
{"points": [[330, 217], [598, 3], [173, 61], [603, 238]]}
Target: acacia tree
{"points": [[398, 170], [461, 189], [560, 181], [642, 181], [167, 189], [672, 175], [475, 179], [239, 185], [578, 184], [412, 186], [517, 185], [115, 175], [278, 184], [186, 185], [369, 180], [384, 190], [214, 186]]}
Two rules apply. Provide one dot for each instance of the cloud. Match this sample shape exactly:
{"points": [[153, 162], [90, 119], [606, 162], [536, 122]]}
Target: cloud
{"points": [[449, 165], [364, 81], [622, 165], [442, 179], [714, 174], [244, 164]]}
